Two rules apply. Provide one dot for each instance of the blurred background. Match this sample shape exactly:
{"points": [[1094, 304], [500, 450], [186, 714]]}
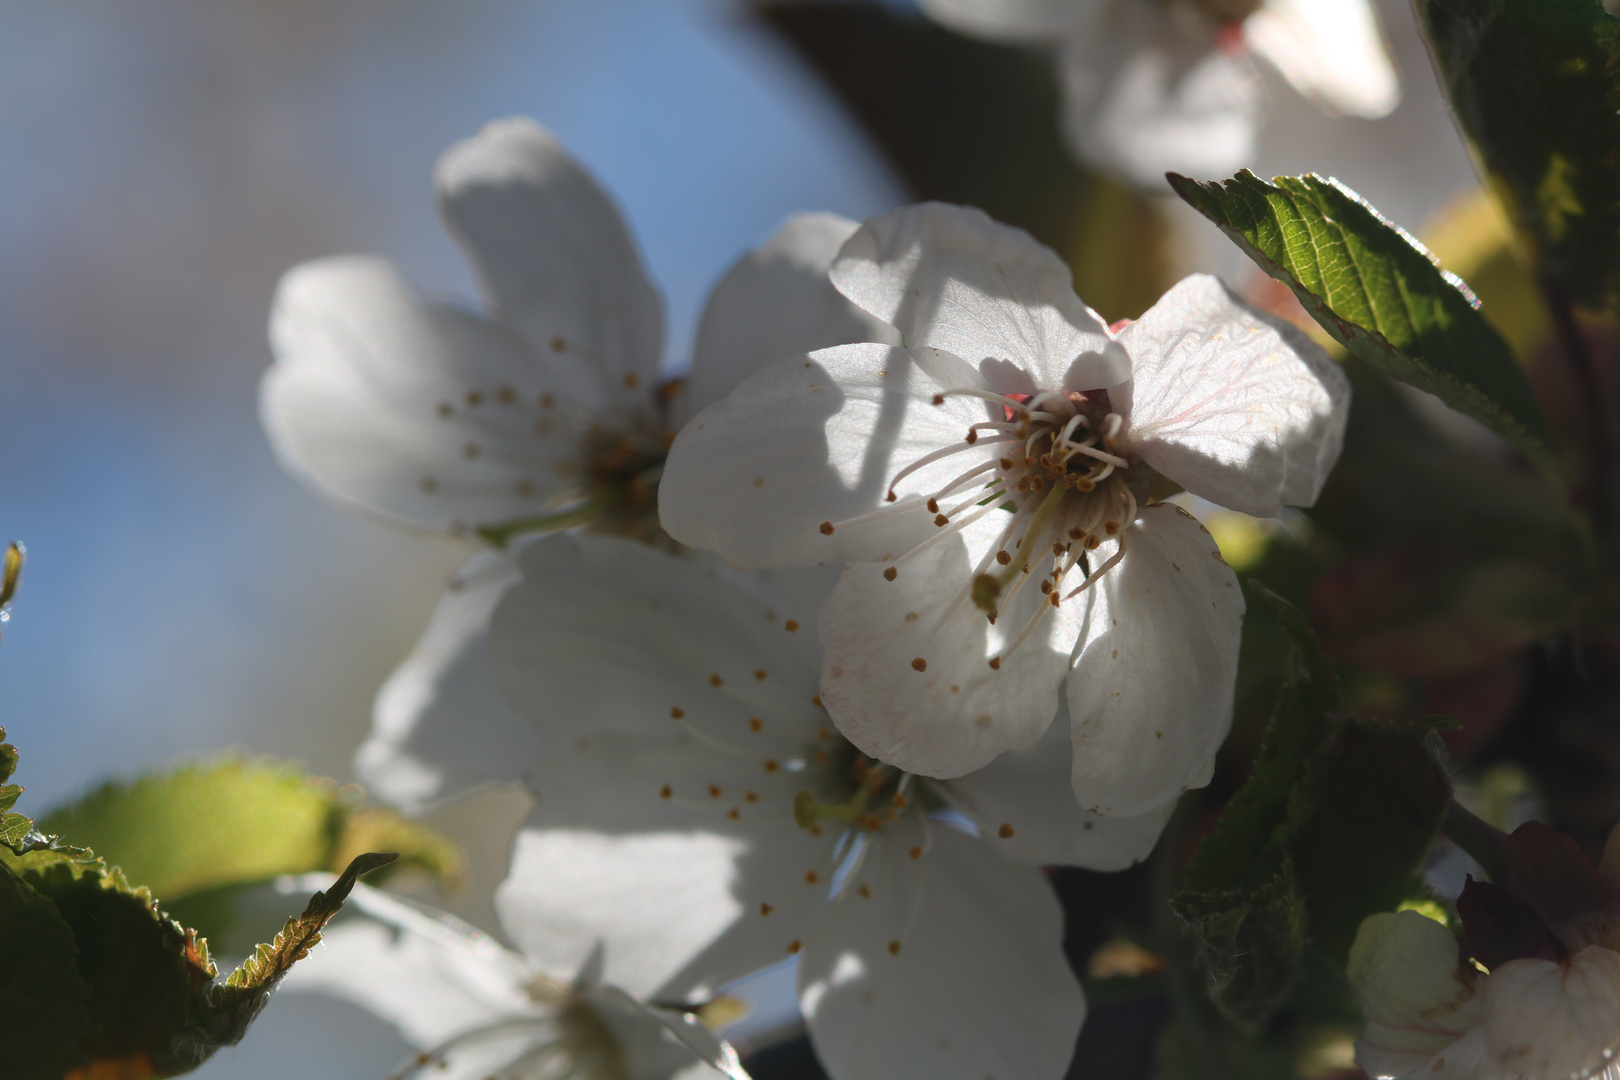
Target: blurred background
{"points": [[161, 164]]}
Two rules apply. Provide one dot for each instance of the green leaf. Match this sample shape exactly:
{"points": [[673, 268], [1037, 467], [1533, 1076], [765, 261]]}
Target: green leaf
{"points": [[194, 835], [206, 826], [965, 121], [1332, 824], [1536, 87], [41, 992], [1379, 293]]}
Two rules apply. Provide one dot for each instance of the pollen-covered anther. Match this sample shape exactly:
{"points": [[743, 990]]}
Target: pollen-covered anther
{"points": [[919, 664], [1006, 831], [891, 573], [941, 520], [1003, 557], [933, 506], [676, 714], [894, 948], [995, 663], [826, 528], [714, 791]]}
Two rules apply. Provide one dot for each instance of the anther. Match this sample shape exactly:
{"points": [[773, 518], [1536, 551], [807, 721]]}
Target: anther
{"points": [[919, 664], [665, 792], [995, 663], [933, 506], [894, 948], [794, 946], [941, 520], [811, 877], [791, 626], [826, 528], [714, 791], [891, 573], [939, 399], [765, 909], [676, 714], [1006, 831], [760, 675], [755, 724], [715, 680], [1003, 558]]}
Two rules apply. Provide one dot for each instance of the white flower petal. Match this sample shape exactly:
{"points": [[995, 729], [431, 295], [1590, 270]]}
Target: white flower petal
{"points": [[957, 713], [663, 824], [606, 634], [1234, 404], [1146, 93], [950, 277], [1010, 20], [818, 440], [440, 727], [1465, 1059], [952, 969], [659, 1044], [1150, 694], [1414, 999], [1554, 1020], [428, 974], [776, 303], [554, 257], [422, 413], [1031, 792], [1329, 50]]}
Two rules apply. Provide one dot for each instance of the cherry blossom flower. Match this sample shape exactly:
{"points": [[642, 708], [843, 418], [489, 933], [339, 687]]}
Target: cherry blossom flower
{"points": [[1531, 993], [1158, 85], [551, 411], [698, 818], [990, 487], [478, 1011]]}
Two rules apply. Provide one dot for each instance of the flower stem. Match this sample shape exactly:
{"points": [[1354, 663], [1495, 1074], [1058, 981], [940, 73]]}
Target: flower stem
{"points": [[1476, 836]]}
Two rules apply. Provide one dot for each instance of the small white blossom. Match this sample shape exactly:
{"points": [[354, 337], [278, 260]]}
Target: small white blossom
{"points": [[478, 1011], [1158, 85], [551, 410], [986, 486]]}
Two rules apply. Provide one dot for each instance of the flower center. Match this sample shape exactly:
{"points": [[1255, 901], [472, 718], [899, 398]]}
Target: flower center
{"points": [[1062, 483], [571, 1041]]}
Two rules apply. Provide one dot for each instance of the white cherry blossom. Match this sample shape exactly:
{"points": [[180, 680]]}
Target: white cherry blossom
{"points": [[550, 410], [479, 1011], [1429, 1015], [989, 486], [1158, 85], [698, 818]]}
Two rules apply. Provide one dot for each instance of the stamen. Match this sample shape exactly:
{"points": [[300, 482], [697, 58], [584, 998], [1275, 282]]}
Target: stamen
{"points": [[937, 455]]}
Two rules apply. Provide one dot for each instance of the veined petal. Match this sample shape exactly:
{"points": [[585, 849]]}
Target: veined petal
{"points": [[953, 969], [907, 675], [951, 278], [1030, 792], [553, 257], [776, 303], [1415, 1000], [819, 440], [440, 727], [1009, 20], [1544, 1019], [1329, 50], [1145, 94], [422, 413], [1150, 694], [1232, 403]]}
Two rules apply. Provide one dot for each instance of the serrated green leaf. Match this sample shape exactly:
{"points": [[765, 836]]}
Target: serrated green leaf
{"points": [[1536, 87], [41, 992], [966, 121], [206, 826], [1379, 293]]}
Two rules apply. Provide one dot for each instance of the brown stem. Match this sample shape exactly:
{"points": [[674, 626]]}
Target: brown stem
{"points": [[1578, 355]]}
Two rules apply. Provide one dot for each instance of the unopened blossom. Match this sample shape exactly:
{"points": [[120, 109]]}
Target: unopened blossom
{"points": [[479, 1011], [1532, 990], [698, 818], [991, 487], [550, 409], [1168, 85]]}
